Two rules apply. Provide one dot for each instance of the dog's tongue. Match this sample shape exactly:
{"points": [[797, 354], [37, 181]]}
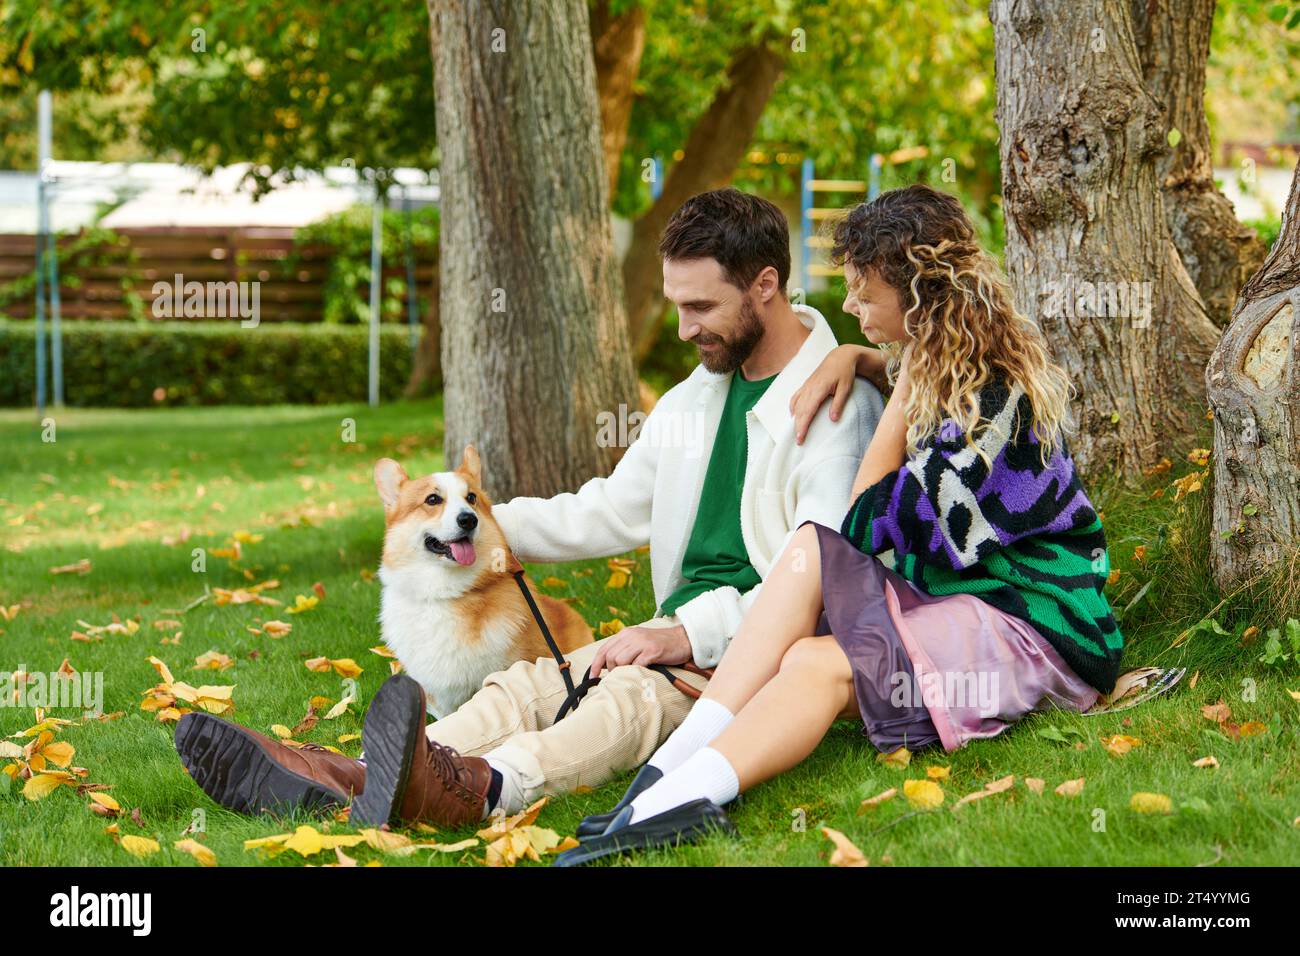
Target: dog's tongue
{"points": [[462, 551]]}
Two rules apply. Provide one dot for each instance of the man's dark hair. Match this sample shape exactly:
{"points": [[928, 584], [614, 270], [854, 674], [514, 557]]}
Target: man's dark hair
{"points": [[744, 233]]}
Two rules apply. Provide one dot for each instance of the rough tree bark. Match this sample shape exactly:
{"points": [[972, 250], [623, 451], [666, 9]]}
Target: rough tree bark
{"points": [[427, 367], [714, 148], [534, 339], [1087, 248], [1254, 387], [1173, 38], [617, 42]]}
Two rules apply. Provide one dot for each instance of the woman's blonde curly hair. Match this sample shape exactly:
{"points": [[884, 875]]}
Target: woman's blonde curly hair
{"points": [[958, 311]]}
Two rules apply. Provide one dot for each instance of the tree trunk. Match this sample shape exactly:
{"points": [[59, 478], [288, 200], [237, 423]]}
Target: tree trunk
{"points": [[534, 340], [716, 144], [426, 370], [1087, 248], [1173, 38], [617, 42], [1254, 386]]}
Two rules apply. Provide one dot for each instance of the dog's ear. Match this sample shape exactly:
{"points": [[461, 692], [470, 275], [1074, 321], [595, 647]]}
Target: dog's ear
{"points": [[470, 464], [389, 477]]}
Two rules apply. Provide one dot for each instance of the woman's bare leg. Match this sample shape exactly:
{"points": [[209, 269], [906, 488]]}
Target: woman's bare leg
{"points": [[786, 609], [780, 726], [785, 721]]}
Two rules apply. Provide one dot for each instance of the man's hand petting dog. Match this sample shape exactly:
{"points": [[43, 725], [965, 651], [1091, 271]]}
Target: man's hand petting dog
{"points": [[642, 646]]}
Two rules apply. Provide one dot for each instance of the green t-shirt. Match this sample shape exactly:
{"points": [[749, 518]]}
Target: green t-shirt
{"points": [[715, 554]]}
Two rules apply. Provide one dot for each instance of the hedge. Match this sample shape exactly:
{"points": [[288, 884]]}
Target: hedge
{"points": [[126, 364]]}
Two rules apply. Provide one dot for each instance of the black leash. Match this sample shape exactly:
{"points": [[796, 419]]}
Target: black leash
{"points": [[546, 634], [575, 693]]}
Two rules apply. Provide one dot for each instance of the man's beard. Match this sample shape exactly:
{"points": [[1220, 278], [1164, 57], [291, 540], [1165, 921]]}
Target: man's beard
{"points": [[733, 352]]}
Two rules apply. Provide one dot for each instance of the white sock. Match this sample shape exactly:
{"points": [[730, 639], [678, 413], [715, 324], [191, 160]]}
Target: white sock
{"points": [[512, 789], [704, 774], [703, 723]]}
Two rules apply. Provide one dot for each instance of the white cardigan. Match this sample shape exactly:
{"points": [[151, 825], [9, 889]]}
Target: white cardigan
{"points": [[653, 493]]}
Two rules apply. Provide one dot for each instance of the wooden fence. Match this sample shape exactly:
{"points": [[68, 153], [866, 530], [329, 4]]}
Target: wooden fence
{"points": [[100, 288]]}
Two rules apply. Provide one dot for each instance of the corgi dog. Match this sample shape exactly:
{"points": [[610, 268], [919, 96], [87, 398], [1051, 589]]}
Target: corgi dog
{"points": [[449, 609]]}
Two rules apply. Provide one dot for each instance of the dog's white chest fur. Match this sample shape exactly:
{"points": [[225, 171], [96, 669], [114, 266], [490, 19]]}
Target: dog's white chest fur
{"points": [[448, 653]]}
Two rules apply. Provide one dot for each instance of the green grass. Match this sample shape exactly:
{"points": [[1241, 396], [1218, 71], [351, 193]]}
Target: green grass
{"points": [[115, 485]]}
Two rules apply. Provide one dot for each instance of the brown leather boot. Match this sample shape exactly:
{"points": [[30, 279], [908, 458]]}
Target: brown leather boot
{"points": [[252, 773], [409, 777]]}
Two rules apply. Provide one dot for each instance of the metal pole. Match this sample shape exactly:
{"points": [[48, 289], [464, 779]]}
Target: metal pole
{"points": [[376, 281], [412, 299], [805, 218], [52, 243], [873, 182], [42, 159], [56, 326]]}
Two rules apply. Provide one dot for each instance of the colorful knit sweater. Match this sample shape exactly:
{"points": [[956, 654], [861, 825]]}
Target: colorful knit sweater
{"points": [[1023, 537]]}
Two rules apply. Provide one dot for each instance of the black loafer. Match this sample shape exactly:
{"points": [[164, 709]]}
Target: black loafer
{"points": [[684, 824], [597, 823]]}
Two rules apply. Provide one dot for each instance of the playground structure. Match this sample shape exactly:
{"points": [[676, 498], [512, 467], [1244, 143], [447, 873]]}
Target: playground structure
{"points": [[226, 253], [813, 217]]}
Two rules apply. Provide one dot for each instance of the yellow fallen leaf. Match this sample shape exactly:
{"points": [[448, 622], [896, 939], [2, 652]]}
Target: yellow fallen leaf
{"points": [[899, 758], [1120, 744], [872, 802], [339, 709], [937, 773], [1035, 784], [610, 628], [1205, 762], [923, 794], [45, 782], [302, 603], [344, 666], [997, 786], [139, 846], [845, 853], [1001, 784], [1071, 788], [213, 661], [194, 848], [277, 628], [104, 800], [1150, 803]]}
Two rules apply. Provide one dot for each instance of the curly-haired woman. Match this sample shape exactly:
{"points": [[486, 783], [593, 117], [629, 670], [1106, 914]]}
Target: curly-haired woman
{"points": [[992, 605]]}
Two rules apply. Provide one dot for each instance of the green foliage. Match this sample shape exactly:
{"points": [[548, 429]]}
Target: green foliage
{"points": [[347, 287], [90, 248], [861, 77], [283, 84], [123, 364], [1274, 652], [1267, 229]]}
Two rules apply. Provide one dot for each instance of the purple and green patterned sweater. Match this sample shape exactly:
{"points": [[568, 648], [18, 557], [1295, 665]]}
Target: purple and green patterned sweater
{"points": [[1021, 536]]}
